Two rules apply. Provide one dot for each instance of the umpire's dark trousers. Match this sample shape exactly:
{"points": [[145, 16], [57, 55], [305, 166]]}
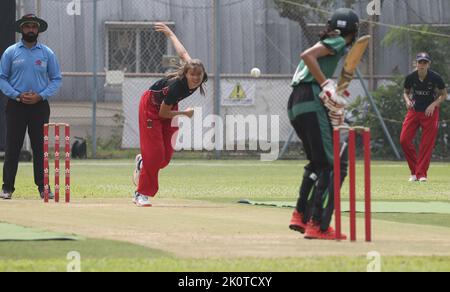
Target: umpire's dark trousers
{"points": [[19, 118]]}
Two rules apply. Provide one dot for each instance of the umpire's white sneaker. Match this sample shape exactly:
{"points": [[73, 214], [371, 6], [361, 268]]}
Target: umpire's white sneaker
{"points": [[141, 200], [137, 170], [413, 178]]}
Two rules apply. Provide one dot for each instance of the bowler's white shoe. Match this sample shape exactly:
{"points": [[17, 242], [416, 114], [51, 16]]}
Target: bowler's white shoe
{"points": [[413, 178], [137, 170], [141, 200], [423, 180]]}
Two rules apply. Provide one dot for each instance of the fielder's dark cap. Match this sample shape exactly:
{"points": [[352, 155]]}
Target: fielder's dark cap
{"points": [[423, 57], [31, 18]]}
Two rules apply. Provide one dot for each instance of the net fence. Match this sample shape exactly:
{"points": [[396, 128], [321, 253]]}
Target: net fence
{"points": [[129, 55]]}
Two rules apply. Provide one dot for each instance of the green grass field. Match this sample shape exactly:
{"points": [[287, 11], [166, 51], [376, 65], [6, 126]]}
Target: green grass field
{"points": [[229, 181], [222, 184]]}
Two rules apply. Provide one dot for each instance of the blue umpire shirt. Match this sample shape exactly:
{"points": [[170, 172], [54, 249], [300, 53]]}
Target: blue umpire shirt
{"points": [[24, 70]]}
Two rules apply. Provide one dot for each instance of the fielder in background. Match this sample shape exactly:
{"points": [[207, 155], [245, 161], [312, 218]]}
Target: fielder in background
{"points": [[424, 92], [314, 107], [29, 76], [157, 109]]}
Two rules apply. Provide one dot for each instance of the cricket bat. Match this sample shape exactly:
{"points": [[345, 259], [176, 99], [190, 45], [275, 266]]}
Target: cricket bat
{"points": [[351, 63]]}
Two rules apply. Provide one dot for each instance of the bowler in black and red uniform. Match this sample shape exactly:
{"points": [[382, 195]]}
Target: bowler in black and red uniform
{"points": [[157, 109], [424, 92]]}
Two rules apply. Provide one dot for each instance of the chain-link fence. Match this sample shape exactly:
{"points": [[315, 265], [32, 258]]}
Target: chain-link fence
{"points": [[116, 39]]}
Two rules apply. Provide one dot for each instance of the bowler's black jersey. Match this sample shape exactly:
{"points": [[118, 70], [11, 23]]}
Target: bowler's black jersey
{"points": [[170, 91]]}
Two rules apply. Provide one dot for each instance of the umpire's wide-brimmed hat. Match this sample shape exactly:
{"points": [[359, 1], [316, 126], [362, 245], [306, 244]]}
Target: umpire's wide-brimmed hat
{"points": [[31, 18]]}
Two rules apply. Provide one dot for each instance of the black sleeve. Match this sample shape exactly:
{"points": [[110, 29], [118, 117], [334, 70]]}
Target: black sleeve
{"points": [[408, 82], [440, 83], [174, 94]]}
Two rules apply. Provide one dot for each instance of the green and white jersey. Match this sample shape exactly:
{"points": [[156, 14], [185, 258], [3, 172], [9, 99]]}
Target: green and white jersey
{"points": [[327, 64]]}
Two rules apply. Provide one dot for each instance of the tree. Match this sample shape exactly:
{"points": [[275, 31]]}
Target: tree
{"points": [[390, 103], [424, 39]]}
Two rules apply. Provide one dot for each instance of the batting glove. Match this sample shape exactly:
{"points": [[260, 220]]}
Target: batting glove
{"points": [[330, 98], [337, 118]]}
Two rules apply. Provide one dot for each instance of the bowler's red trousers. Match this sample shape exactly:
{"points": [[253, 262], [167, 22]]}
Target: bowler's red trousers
{"points": [[156, 138], [419, 163]]}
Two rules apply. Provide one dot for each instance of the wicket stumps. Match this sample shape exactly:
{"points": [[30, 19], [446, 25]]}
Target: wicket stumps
{"points": [[365, 132], [57, 157]]}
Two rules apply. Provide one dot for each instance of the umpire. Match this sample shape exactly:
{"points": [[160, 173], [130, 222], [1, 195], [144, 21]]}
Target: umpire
{"points": [[29, 75]]}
